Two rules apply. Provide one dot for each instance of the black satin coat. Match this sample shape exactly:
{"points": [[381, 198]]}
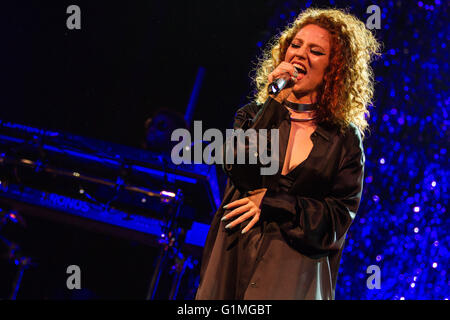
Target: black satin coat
{"points": [[294, 251]]}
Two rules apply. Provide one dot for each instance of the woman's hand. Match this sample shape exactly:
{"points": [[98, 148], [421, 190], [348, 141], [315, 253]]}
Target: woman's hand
{"points": [[284, 69], [250, 206]]}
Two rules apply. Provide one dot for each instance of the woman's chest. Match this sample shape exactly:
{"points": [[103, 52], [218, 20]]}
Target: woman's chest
{"points": [[299, 146]]}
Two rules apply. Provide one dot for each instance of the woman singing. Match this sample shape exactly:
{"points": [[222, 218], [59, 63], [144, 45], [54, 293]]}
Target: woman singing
{"points": [[281, 236]]}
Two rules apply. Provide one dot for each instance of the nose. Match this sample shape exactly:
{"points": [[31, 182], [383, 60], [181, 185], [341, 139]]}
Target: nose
{"points": [[301, 52]]}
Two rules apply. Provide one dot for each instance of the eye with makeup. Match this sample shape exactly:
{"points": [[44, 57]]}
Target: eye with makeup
{"points": [[317, 53]]}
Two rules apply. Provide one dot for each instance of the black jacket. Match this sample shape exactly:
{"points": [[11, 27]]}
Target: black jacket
{"points": [[294, 251]]}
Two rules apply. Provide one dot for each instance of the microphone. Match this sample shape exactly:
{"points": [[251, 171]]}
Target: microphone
{"points": [[279, 84]]}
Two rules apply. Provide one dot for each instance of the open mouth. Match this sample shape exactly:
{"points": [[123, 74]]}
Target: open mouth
{"points": [[300, 68], [301, 71]]}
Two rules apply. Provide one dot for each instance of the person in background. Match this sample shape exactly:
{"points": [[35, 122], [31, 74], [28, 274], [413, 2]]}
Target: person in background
{"points": [[159, 128]]}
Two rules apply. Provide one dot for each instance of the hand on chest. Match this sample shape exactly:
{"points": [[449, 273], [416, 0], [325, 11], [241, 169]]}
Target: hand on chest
{"points": [[299, 145]]}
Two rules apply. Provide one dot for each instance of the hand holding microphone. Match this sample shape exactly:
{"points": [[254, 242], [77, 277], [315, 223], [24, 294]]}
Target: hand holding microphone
{"points": [[282, 77]]}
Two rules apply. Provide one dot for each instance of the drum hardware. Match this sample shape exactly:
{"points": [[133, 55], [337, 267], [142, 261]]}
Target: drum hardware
{"points": [[170, 241], [14, 250]]}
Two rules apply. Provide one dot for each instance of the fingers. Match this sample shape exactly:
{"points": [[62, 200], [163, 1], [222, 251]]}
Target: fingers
{"points": [[236, 203], [241, 219], [239, 210], [245, 206], [251, 223], [284, 69]]}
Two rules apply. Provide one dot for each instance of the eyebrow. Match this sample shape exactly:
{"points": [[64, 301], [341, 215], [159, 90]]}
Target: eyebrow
{"points": [[311, 44]]}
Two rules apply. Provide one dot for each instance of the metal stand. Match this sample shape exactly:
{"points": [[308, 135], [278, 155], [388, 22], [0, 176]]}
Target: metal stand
{"points": [[180, 269], [24, 264], [171, 240], [14, 253]]}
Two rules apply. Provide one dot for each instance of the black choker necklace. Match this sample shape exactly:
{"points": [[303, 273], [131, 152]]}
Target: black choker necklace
{"points": [[305, 107]]}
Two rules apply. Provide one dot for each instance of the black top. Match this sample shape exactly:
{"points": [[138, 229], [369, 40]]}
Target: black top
{"points": [[294, 251]]}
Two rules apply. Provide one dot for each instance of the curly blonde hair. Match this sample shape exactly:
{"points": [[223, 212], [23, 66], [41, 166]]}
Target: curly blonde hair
{"points": [[348, 84]]}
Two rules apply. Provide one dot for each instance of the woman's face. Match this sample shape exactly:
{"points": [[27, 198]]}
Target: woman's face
{"points": [[309, 52]]}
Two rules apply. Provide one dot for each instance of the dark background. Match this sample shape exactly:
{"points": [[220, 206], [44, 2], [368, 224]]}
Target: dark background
{"points": [[128, 59]]}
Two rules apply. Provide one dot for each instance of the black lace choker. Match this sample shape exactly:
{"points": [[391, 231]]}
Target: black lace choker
{"points": [[305, 107]]}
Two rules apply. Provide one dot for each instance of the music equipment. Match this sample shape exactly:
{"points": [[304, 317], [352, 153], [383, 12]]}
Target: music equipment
{"points": [[131, 192]]}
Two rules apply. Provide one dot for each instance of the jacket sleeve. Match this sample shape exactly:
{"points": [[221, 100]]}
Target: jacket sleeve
{"points": [[243, 176], [245, 115], [317, 225], [248, 176]]}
